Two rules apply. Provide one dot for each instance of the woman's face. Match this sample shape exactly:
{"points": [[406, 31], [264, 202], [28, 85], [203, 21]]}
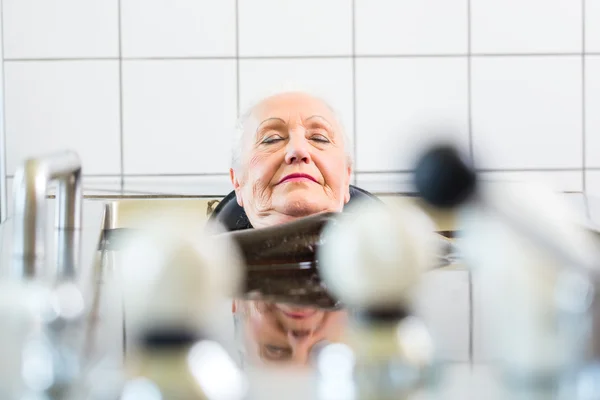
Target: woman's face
{"points": [[277, 333], [293, 162]]}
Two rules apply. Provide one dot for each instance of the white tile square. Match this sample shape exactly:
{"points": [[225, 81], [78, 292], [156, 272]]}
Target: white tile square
{"points": [[4, 194], [482, 352], [381, 182], [404, 104], [592, 111], [100, 186], [2, 162], [182, 28], [60, 28], [578, 204], [96, 186], [531, 26], [527, 112], [9, 197], [592, 27], [592, 185], [442, 301], [559, 181], [330, 79], [208, 185], [63, 105], [593, 196], [178, 116], [292, 28], [386, 27]]}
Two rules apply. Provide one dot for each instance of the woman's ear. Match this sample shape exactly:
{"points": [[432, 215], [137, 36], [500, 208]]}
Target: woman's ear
{"points": [[347, 192], [236, 186]]}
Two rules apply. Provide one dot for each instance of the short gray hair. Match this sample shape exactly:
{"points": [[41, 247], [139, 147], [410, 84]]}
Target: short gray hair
{"points": [[240, 129]]}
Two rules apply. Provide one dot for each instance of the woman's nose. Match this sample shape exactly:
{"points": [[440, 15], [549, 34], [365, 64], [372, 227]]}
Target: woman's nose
{"points": [[299, 334], [297, 152], [299, 337]]}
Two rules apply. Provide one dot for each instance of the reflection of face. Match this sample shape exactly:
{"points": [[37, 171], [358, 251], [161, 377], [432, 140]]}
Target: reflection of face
{"points": [[283, 334], [287, 134]]}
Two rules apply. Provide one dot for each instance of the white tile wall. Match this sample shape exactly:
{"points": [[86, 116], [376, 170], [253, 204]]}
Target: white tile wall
{"points": [[443, 303], [592, 111], [292, 27], [178, 116], [152, 118], [531, 26], [592, 27], [184, 185], [593, 184], [329, 78], [593, 188], [182, 28], [57, 105], [482, 346], [402, 104], [561, 181], [389, 27], [382, 182], [60, 28], [527, 112]]}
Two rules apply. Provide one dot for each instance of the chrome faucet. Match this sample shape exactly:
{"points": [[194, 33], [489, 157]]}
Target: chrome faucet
{"points": [[31, 183]]}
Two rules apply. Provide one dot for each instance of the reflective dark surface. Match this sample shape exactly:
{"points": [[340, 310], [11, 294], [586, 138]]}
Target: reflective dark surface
{"points": [[280, 333]]}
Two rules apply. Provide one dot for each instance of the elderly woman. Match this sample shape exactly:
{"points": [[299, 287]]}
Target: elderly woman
{"points": [[292, 161]]}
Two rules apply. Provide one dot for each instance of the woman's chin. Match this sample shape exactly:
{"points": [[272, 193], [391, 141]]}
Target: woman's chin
{"points": [[300, 206]]}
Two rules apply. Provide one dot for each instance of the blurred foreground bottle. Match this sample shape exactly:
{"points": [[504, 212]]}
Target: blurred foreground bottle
{"points": [[373, 260], [173, 283]]}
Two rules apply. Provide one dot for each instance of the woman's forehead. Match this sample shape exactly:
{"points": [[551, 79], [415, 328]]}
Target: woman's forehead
{"points": [[292, 106]]}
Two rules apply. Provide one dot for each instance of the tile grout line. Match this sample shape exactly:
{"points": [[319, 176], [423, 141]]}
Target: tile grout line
{"points": [[302, 57], [121, 107], [3, 175], [354, 128], [586, 204], [237, 58], [471, 318], [122, 159], [471, 155], [494, 170], [366, 173], [469, 82], [583, 99]]}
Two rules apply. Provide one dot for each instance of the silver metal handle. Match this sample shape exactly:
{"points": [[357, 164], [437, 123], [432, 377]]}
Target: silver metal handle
{"points": [[31, 183]]}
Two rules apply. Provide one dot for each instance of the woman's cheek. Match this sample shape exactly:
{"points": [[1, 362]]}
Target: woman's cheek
{"points": [[263, 170]]}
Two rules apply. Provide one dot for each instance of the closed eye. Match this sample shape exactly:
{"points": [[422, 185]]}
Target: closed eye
{"points": [[272, 139], [320, 138], [276, 353]]}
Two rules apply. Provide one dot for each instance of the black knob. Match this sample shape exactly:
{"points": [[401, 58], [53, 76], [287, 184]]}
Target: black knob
{"points": [[443, 178]]}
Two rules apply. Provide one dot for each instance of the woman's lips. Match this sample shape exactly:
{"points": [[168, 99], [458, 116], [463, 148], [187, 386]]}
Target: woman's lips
{"points": [[297, 313], [296, 178]]}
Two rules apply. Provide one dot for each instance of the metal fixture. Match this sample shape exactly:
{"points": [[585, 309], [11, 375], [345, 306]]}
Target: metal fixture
{"points": [[31, 184]]}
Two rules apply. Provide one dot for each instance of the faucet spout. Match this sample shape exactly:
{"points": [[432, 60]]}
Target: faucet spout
{"points": [[31, 183]]}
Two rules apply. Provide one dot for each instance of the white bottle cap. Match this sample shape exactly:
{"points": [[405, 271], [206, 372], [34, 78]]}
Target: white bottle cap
{"points": [[374, 254]]}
